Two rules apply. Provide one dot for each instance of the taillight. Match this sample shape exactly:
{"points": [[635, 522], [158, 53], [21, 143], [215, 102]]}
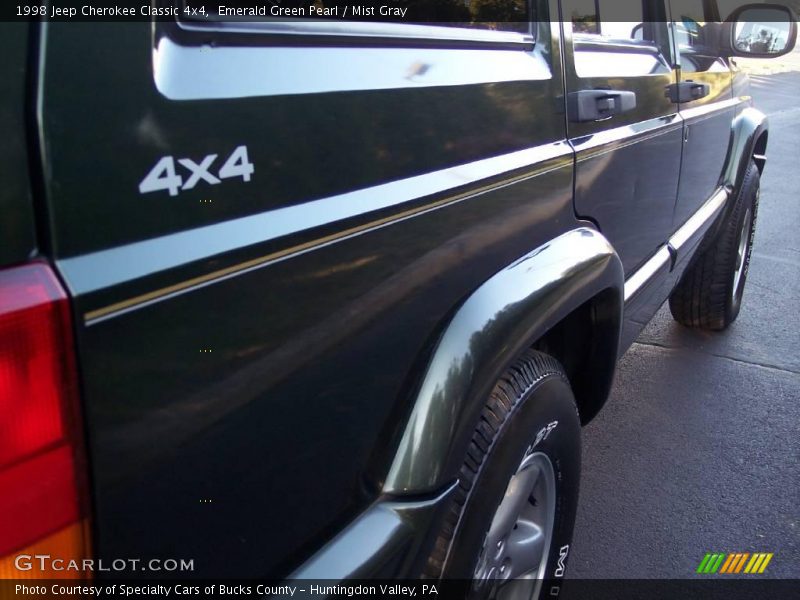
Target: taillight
{"points": [[42, 470]]}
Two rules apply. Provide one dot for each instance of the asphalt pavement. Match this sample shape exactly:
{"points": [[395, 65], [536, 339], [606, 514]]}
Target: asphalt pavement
{"points": [[698, 448]]}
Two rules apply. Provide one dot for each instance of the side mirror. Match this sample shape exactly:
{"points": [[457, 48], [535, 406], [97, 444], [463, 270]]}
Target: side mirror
{"points": [[759, 31]]}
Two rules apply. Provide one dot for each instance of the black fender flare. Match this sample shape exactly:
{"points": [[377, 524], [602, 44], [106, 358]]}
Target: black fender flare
{"points": [[498, 321], [746, 130]]}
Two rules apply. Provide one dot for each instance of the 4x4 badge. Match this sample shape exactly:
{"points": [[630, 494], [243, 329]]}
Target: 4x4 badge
{"points": [[164, 177]]}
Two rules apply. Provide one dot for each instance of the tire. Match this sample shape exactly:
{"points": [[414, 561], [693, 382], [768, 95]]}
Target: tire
{"points": [[529, 423], [709, 294]]}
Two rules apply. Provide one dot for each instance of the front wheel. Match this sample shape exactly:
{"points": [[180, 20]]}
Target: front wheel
{"points": [[509, 527]]}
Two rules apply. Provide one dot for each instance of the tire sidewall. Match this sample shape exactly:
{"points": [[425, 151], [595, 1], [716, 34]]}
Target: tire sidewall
{"points": [[748, 199], [548, 401]]}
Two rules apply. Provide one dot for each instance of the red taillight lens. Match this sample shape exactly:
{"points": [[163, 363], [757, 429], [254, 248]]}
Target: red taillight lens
{"points": [[41, 498], [34, 365], [41, 468]]}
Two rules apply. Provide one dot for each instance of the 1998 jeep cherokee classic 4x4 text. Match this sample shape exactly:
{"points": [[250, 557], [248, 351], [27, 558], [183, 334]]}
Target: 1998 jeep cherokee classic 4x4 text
{"points": [[332, 300]]}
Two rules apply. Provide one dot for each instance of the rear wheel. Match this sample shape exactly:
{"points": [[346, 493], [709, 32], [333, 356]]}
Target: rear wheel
{"points": [[709, 295], [509, 526]]}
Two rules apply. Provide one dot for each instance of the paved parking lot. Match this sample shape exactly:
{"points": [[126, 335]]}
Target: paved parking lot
{"points": [[698, 449]]}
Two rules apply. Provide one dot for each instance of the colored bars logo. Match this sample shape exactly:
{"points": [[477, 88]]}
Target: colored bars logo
{"points": [[735, 562]]}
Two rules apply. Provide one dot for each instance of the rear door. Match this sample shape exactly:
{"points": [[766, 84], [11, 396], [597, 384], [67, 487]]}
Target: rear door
{"points": [[706, 103], [628, 155]]}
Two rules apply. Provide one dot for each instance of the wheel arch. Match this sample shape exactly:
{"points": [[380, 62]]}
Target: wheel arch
{"points": [[590, 364], [749, 135], [570, 287]]}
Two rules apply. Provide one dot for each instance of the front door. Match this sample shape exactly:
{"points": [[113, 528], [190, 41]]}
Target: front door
{"points": [[706, 103], [625, 129]]}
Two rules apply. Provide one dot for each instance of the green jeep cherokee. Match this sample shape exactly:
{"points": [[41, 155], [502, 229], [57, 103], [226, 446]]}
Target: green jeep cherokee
{"points": [[332, 299]]}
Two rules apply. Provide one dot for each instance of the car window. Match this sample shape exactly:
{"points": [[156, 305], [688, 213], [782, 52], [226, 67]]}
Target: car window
{"points": [[690, 23], [589, 17], [695, 29], [607, 46]]}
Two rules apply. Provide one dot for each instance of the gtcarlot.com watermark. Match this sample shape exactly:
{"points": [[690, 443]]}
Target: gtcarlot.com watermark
{"points": [[48, 563]]}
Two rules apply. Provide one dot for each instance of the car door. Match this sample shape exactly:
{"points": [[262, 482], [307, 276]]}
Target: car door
{"points": [[625, 130], [706, 103]]}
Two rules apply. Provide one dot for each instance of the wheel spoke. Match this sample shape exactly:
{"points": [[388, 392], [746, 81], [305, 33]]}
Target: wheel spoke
{"points": [[514, 550], [525, 549], [516, 497]]}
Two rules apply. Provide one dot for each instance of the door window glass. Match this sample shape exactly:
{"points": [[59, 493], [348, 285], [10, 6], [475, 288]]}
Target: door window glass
{"points": [[589, 17], [695, 28], [690, 23], [619, 37]]}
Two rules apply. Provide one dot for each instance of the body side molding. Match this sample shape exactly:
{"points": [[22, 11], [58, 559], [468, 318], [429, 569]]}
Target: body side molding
{"points": [[694, 229], [505, 315], [644, 274], [679, 244]]}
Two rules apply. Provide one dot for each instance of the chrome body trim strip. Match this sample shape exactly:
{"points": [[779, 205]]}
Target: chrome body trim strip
{"points": [[609, 140], [646, 272], [696, 112], [104, 269], [695, 223], [685, 233]]}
